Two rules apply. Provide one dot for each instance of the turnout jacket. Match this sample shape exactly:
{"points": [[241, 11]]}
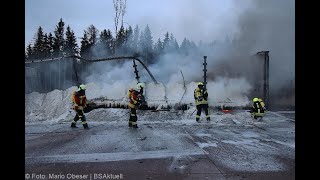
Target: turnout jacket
{"points": [[200, 96], [79, 100]]}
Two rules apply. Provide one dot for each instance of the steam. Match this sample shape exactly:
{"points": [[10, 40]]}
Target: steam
{"points": [[270, 25], [261, 25], [244, 28]]}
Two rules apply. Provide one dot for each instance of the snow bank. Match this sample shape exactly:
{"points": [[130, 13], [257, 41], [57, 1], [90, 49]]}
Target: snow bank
{"points": [[55, 105], [51, 106]]}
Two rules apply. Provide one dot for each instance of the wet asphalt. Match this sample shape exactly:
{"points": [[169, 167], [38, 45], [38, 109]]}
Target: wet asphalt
{"points": [[163, 148]]}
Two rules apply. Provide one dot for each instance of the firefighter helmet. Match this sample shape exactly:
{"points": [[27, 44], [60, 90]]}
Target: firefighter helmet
{"points": [[82, 87], [139, 86], [255, 99], [200, 84]]}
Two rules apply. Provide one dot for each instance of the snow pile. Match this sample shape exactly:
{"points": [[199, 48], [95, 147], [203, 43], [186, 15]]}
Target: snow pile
{"points": [[56, 104], [51, 106]]}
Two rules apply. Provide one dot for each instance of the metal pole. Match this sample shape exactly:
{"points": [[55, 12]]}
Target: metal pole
{"points": [[264, 77], [136, 71], [205, 72], [267, 79], [59, 76]]}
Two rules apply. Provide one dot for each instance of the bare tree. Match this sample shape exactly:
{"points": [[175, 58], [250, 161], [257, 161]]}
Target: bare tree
{"points": [[116, 18], [123, 10], [120, 9]]}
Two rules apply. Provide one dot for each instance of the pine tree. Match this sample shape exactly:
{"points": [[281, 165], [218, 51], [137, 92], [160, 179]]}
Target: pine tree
{"points": [[29, 52], [129, 41], [39, 45], [84, 44], [166, 43], [50, 45], [185, 47], [136, 34], [71, 46], [147, 45], [173, 44], [193, 46], [110, 42], [158, 48], [45, 46], [120, 41], [102, 44], [58, 40], [93, 33]]}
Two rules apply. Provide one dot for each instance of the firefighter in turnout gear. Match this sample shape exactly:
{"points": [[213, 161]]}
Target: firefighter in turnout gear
{"points": [[134, 97], [140, 87], [201, 100], [79, 101], [258, 108]]}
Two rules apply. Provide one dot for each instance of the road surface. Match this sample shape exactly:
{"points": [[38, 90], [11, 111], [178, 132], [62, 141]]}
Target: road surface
{"points": [[167, 145]]}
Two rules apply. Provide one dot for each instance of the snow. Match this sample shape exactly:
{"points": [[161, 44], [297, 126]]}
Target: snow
{"points": [[55, 105], [231, 139], [106, 157], [52, 106], [203, 145]]}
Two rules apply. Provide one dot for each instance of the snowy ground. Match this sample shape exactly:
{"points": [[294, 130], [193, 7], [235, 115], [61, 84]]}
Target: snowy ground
{"points": [[167, 144], [55, 106], [231, 146]]}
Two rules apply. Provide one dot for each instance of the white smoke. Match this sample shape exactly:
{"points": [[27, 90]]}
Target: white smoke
{"points": [[270, 25], [250, 26]]}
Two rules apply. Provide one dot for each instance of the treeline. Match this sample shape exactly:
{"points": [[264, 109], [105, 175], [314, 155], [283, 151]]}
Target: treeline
{"points": [[96, 44]]}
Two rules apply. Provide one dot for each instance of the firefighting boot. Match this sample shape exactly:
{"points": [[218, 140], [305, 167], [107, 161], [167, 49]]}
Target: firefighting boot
{"points": [[198, 118], [85, 125], [208, 118], [73, 124], [135, 126]]}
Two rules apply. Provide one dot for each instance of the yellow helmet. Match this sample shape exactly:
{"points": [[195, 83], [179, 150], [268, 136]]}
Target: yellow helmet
{"points": [[200, 84], [139, 86], [82, 87], [255, 99]]}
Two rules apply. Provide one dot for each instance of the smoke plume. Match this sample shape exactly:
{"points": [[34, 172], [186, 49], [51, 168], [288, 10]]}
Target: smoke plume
{"points": [[260, 26]]}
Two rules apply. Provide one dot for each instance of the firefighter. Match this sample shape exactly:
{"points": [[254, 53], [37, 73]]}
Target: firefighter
{"points": [[201, 100], [143, 103], [79, 101], [262, 104], [129, 92], [258, 108], [140, 87], [134, 97]]}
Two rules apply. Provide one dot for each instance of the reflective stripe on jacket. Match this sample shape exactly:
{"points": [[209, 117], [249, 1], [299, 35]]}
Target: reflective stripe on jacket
{"points": [[258, 108], [200, 96]]}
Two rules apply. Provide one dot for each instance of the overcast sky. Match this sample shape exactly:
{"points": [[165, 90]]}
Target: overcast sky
{"points": [[197, 20]]}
